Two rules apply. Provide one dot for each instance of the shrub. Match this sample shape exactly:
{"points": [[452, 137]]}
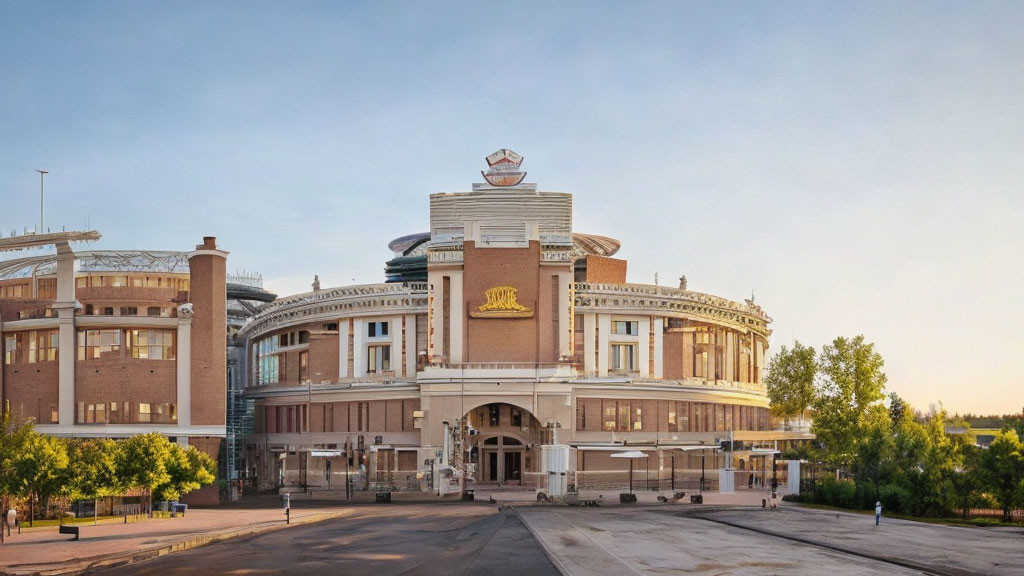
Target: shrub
{"points": [[867, 495], [894, 498]]}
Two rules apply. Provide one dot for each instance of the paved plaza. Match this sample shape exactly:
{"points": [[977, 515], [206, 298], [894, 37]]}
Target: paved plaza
{"points": [[684, 539], [729, 534]]}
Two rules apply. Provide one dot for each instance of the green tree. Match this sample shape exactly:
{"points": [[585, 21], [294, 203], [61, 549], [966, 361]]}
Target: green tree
{"points": [[40, 468], [898, 409], [14, 443], [850, 381], [92, 472], [188, 470], [1002, 467], [142, 463], [790, 381]]}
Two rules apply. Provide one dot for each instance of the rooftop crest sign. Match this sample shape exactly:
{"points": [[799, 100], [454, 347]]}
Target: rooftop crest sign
{"points": [[504, 168]]}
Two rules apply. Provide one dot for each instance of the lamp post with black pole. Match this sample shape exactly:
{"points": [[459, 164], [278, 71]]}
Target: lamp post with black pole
{"points": [[703, 452]]}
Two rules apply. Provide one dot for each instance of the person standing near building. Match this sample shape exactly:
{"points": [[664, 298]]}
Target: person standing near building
{"points": [[878, 512]]}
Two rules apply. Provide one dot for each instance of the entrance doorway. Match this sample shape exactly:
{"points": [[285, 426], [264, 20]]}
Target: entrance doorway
{"points": [[505, 447], [503, 460]]}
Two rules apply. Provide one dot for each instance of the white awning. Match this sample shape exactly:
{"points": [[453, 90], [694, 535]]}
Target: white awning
{"points": [[629, 454]]}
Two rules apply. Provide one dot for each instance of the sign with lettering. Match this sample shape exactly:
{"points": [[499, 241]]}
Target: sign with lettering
{"points": [[504, 168], [501, 303]]}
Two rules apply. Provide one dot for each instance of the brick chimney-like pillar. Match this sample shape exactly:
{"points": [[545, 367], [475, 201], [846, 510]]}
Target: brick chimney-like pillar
{"points": [[208, 361]]}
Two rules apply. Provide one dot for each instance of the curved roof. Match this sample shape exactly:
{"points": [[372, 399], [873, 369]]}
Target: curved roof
{"points": [[582, 243], [91, 261], [405, 243], [594, 244]]}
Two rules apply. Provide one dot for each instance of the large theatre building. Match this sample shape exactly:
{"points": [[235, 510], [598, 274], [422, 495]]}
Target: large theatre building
{"points": [[113, 343], [505, 318]]}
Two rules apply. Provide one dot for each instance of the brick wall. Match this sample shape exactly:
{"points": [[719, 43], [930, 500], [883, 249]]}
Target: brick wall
{"points": [[604, 270], [31, 389], [207, 495], [503, 339], [672, 355], [125, 380], [323, 357]]}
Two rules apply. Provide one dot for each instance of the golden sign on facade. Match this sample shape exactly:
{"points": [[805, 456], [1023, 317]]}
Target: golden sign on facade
{"points": [[501, 303]]}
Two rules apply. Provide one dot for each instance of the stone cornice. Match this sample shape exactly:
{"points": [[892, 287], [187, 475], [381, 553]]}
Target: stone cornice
{"points": [[671, 302], [333, 303]]}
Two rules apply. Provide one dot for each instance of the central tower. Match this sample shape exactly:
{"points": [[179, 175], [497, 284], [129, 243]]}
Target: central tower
{"points": [[499, 266]]}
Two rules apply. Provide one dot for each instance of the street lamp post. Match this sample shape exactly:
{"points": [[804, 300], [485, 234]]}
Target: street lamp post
{"points": [[41, 174], [703, 452]]}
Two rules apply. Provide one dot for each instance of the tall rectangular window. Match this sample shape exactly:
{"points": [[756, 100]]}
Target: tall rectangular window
{"points": [[623, 357], [494, 415], [683, 417], [378, 358], [636, 425], [608, 422], [144, 414], [304, 365]]}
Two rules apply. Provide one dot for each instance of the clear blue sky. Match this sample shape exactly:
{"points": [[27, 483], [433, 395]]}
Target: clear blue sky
{"points": [[857, 165]]}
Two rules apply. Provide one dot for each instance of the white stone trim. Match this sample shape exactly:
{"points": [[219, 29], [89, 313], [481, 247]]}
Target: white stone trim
{"points": [[120, 430], [183, 360]]}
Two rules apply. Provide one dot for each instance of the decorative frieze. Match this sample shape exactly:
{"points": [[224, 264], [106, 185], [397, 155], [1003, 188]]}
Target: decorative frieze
{"points": [[667, 301], [405, 298]]}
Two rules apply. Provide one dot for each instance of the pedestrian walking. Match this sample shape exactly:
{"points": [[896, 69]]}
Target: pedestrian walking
{"points": [[878, 512]]}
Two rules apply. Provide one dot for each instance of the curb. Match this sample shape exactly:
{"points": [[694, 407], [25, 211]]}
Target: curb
{"points": [[76, 567], [561, 567]]}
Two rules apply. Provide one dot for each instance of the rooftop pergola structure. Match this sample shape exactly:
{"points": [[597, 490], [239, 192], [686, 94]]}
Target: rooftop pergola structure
{"points": [[26, 241]]}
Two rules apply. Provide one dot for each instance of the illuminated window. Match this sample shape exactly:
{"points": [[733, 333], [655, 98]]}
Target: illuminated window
{"points": [[304, 365], [144, 415], [93, 344], [608, 423], [151, 344]]}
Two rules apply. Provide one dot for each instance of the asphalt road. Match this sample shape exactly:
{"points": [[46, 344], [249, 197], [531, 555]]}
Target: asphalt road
{"points": [[378, 540]]}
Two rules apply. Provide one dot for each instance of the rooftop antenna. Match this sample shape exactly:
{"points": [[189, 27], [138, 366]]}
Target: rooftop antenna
{"points": [[42, 173]]}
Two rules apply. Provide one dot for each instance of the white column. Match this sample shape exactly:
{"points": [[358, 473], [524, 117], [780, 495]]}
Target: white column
{"points": [[184, 365], [410, 345], [65, 307], [343, 336], [589, 329], [604, 327], [659, 347], [457, 312], [66, 368], [358, 353], [564, 290], [644, 343]]}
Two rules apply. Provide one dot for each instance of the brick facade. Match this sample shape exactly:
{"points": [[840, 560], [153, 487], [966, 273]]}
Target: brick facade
{"points": [[207, 278], [605, 270]]}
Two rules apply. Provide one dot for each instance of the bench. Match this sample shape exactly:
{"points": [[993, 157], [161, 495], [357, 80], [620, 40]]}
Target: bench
{"points": [[73, 530]]}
